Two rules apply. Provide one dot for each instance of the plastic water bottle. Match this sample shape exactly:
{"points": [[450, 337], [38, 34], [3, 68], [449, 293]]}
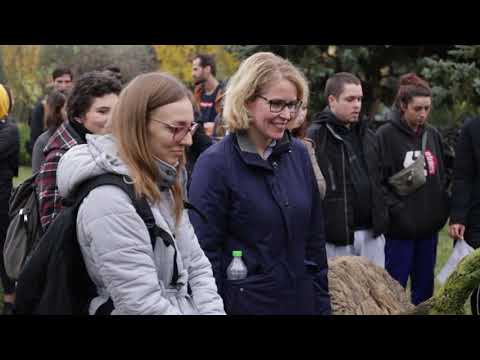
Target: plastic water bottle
{"points": [[237, 269]]}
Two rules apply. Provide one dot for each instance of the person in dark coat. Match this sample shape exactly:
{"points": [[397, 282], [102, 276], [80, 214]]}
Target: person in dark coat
{"points": [[415, 219], [54, 117], [200, 141], [259, 194], [465, 211], [62, 80], [348, 155], [9, 162]]}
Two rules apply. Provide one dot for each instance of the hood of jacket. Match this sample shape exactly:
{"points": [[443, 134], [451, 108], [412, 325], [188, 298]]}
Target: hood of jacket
{"points": [[399, 122], [328, 117], [97, 157]]}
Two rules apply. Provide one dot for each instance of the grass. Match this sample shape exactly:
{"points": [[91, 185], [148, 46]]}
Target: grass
{"points": [[23, 173], [444, 249]]}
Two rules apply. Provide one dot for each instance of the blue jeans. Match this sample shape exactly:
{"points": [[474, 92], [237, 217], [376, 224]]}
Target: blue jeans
{"points": [[414, 258]]}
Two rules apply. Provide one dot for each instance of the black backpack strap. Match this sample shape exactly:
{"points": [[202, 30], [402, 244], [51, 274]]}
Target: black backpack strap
{"points": [[141, 206], [143, 210], [106, 308], [168, 241], [123, 182]]}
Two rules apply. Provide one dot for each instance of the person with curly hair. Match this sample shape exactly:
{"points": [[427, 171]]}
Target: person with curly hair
{"points": [[89, 107]]}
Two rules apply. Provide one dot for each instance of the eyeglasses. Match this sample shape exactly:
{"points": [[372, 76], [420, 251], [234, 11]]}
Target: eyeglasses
{"points": [[179, 132], [277, 106]]}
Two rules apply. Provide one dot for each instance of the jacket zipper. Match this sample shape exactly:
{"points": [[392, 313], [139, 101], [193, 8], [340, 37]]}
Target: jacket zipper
{"points": [[332, 177], [345, 194]]}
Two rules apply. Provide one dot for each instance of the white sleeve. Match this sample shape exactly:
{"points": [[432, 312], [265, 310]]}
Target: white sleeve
{"points": [[121, 249]]}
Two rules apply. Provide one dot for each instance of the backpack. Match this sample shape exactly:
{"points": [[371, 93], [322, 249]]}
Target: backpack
{"points": [[55, 280], [24, 230]]}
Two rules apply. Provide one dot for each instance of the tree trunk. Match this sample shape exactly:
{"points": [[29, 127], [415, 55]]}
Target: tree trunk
{"points": [[451, 298], [358, 287]]}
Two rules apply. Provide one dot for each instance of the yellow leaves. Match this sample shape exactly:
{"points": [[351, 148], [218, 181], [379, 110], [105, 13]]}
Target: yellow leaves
{"points": [[21, 68], [177, 59]]}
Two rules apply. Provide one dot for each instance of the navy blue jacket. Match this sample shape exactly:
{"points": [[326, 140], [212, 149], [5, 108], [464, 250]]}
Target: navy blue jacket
{"points": [[271, 210]]}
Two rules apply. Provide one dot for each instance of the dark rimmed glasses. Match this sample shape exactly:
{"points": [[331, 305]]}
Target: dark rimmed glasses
{"points": [[179, 132], [277, 106]]}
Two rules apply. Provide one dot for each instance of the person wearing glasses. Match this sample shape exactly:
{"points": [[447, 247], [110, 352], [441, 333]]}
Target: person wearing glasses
{"points": [[150, 128], [258, 191], [347, 153]]}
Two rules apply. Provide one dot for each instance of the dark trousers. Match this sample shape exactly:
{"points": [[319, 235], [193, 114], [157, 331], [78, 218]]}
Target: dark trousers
{"points": [[7, 283], [414, 258]]}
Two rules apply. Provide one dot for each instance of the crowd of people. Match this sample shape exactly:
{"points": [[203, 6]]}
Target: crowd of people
{"points": [[236, 167]]}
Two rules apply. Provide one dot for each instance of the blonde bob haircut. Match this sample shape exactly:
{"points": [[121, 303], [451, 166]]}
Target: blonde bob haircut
{"points": [[129, 125], [253, 76]]}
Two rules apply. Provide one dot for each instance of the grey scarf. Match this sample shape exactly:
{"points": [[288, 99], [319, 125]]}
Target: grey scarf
{"points": [[168, 174]]}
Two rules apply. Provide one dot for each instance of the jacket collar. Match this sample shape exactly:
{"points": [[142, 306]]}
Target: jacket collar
{"points": [[248, 152], [336, 127], [400, 123], [167, 175]]}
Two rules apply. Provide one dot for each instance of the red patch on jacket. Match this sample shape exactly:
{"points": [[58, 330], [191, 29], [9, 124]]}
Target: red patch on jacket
{"points": [[432, 162]]}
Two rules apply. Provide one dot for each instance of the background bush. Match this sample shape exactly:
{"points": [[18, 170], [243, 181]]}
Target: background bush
{"points": [[24, 129]]}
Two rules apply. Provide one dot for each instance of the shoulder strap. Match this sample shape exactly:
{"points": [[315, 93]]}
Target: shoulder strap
{"points": [[424, 141], [140, 204], [216, 91]]}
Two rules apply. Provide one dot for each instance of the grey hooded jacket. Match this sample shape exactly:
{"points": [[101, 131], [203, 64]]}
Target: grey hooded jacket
{"points": [[116, 245]]}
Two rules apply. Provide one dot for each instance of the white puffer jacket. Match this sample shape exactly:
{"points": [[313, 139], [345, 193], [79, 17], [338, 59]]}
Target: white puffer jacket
{"points": [[116, 245]]}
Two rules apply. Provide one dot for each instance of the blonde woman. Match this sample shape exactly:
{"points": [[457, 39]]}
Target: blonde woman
{"points": [[151, 126], [259, 193]]}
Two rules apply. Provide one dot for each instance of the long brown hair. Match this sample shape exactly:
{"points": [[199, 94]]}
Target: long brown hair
{"points": [[54, 116], [129, 125]]}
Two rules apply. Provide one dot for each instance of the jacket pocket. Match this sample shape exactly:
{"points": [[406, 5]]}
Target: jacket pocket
{"points": [[255, 295]]}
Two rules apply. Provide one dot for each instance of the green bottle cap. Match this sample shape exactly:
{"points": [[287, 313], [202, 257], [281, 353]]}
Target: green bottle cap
{"points": [[237, 253]]}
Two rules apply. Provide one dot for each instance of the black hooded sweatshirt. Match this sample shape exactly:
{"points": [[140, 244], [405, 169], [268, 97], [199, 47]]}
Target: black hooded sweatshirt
{"points": [[9, 150], [424, 212], [348, 158], [466, 183]]}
